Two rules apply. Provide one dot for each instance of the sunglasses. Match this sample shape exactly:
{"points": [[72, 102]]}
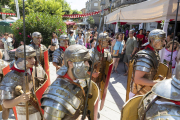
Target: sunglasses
{"points": [[5, 34]]}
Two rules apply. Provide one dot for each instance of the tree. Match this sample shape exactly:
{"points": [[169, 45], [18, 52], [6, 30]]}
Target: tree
{"points": [[4, 2], [53, 7], [90, 20], [76, 12], [41, 22]]}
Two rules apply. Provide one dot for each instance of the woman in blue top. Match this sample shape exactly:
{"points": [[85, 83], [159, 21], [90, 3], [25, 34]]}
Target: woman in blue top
{"points": [[117, 50]]}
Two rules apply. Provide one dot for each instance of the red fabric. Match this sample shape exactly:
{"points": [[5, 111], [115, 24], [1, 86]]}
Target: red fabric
{"points": [[13, 68], [123, 23], [100, 49], [145, 40], [63, 48], [176, 102], [148, 46], [67, 76], [140, 36]]}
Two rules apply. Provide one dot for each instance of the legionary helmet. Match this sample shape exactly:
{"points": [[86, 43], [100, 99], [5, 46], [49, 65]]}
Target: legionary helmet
{"points": [[36, 36], [62, 38], [30, 52], [169, 88], [77, 54], [156, 35], [103, 38]]}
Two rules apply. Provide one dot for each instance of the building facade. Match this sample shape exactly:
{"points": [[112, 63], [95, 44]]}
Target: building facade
{"points": [[92, 6], [83, 10]]}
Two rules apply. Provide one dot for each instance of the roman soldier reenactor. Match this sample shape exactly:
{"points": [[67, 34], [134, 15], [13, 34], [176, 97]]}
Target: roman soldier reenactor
{"points": [[103, 65], [5, 111], [13, 86], [64, 99], [161, 103], [59, 52], [143, 68], [40, 48]]}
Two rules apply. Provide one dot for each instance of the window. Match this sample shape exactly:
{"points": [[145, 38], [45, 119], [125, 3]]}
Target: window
{"points": [[95, 4]]}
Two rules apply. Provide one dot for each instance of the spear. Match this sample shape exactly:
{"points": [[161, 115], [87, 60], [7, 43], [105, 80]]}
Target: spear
{"points": [[27, 83], [170, 63], [85, 108]]}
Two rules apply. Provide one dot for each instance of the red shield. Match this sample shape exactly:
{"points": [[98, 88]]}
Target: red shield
{"points": [[40, 91], [104, 85], [6, 70]]}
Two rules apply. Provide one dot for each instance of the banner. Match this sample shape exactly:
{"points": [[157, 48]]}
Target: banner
{"points": [[83, 15], [13, 14]]}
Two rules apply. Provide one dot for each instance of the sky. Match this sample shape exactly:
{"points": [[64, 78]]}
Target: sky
{"points": [[77, 4]]}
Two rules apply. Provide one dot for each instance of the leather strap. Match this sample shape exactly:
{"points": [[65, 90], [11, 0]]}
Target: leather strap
{"points": [[74, 84], [143, 118]]}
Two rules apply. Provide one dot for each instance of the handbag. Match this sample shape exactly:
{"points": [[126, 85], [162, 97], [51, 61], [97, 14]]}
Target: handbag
{"points": [[116, 52]]}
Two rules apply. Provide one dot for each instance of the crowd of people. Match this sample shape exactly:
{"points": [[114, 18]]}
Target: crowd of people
{"points": [[122, 45], [72, 55]]}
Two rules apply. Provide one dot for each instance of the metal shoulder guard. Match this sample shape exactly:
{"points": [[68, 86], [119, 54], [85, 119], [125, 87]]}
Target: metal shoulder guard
{"points": [[8, 84], [43, 47], [58, 56], [61, 99], [3, 64], [91, 52], [145, 60], [159, 109]]}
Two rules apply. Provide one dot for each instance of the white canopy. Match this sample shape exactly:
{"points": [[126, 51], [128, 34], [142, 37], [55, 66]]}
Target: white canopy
{"points": [[148, 11]]}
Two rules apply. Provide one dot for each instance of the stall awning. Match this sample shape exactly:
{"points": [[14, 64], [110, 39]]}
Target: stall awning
{"points": [[148, 11]]}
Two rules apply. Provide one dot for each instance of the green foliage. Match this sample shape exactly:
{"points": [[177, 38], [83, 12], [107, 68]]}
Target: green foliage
{"points": [[6, 10], [12, 6], [90, 20], [4, 2], [76, 12], [52, 7], [41, 22]]}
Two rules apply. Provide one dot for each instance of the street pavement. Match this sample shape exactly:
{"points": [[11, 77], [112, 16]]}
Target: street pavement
{"points": [[115, 97]]}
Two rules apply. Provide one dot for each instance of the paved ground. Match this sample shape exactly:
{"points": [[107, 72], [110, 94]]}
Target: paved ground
{"points": [[115, 96]]}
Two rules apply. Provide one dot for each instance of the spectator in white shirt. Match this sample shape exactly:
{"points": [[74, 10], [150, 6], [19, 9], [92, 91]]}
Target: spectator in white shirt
{"points": [[54, 39]]}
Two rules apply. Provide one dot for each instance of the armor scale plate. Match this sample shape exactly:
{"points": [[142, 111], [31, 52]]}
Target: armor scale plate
{"points": [[162, 109]]}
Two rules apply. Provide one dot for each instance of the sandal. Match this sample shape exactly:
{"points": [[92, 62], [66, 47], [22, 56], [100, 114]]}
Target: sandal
{"points": [[112, 72], [116, 71]]}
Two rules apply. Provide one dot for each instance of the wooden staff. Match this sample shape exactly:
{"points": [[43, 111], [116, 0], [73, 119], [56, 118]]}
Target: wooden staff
{"points": [[27, 83]]}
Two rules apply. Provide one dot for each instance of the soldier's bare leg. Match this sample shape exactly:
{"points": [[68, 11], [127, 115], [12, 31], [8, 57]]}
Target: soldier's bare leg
{"points": [[5, 113]]}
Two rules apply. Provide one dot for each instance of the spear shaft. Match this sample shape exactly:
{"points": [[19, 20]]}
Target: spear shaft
{"points": [[27, 83]]}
